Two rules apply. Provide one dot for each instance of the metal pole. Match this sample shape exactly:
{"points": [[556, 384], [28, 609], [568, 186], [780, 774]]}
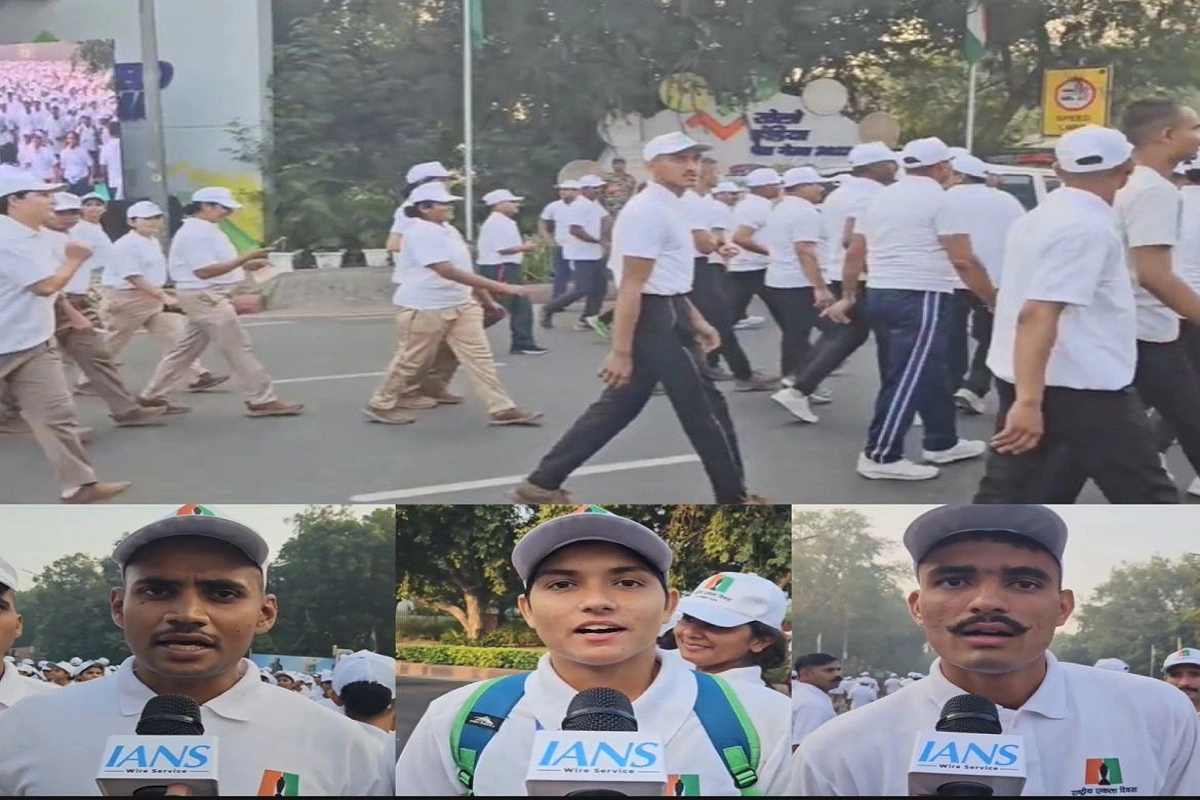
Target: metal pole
{"points": [[973, 73], [468, 123], [156, 152]]}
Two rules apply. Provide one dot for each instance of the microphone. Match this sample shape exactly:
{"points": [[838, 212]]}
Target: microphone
{"points": [[967, 755], [169, 748], [598, 753]]}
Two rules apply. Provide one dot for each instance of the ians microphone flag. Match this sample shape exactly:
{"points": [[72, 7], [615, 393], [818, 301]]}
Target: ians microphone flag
{"points": [[975, 40]]}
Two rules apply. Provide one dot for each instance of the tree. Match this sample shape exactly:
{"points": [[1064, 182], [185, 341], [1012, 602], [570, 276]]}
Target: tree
{"points": [[67, 610], [333, 579]]}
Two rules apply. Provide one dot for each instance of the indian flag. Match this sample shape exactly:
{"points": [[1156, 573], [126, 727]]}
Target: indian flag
{"points": [[975, 41]]}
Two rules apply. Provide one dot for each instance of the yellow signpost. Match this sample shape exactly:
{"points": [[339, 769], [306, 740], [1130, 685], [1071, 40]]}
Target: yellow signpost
{"points": [[1072, 98]]}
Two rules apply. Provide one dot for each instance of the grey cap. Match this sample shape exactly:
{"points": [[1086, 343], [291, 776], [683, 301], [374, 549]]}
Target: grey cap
{"points": [[195, 520], [588, 524], [1038, 523]]}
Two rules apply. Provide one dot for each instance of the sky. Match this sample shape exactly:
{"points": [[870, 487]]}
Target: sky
{"points": [[34, 536]]}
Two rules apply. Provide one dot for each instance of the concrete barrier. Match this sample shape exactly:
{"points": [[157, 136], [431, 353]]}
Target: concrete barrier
{"points": [[407, 669]]}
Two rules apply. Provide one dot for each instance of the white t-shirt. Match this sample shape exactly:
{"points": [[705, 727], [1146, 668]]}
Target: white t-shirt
{"points": [[751, 212], [426, 769], [848, 201], [791, 221], [110, 159], [902, 224], [76, 164], [15, 687], [26, 258], [92, 235], [197, 244], [861, 694], [499, 232], [401, 222], [654, 225], [1069, 250], [1150, 209], [1078, 714], [428, 243], [260, 729], [988, 213], [589, 215], [1187, 253], [811, 708], [720, 219], [699, 215], [553, 212], [134, 254]]}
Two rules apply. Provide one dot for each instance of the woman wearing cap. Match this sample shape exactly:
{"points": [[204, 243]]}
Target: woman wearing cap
{"points": [[206, 267], [732, 626], [501, 249], [134, 298], [440, 298]]}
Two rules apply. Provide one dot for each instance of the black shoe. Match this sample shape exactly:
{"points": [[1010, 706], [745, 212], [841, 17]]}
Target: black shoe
{"points": [[529, 351]]}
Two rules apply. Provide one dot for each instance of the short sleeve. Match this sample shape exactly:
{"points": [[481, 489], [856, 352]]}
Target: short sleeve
{"points": [[1069, 266], [751, 215], [22, 263], [1151, 217], [399, 221], [426, 246], [547, 214], [805, 226], [644, 238], [951, 220]]}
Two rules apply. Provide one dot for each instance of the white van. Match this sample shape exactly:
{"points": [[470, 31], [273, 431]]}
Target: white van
{"points": [[1030, 185]]}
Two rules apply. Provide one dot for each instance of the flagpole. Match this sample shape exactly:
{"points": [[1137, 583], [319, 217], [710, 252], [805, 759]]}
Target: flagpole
{"points": [[468, 123], [973, 73]]}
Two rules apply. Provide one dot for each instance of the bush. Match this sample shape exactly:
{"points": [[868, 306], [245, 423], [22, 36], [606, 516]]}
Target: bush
{"points": [[511, 635], [432, 628], [454, 656]]}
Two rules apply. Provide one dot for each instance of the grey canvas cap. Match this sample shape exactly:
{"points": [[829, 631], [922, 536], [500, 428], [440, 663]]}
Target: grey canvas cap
{"points": [[196, 520], [589, 524], [1038, 523]]}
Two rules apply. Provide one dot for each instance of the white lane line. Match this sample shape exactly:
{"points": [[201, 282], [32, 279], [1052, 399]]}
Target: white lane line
{"points": [[267, 323], [510, 480], [315, 378]]}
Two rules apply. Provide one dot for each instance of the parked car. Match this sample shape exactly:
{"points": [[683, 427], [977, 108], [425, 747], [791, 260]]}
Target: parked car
{"points": [[1030, 185]]}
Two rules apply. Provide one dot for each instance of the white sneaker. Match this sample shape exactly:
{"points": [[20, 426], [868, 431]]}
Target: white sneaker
{"points": [[1162, 458], [796, 404], [1194, 487], [748, 322], [964, 449], [902, 470], [969, 402], [820, 397]]}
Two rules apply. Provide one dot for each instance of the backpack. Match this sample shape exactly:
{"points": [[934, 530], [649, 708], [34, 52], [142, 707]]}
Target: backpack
{"points": [[718, 708]]}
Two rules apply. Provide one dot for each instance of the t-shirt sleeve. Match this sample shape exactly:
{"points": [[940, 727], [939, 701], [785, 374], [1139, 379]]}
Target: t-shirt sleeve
{"points": [[22, 263], [805, 226], [426, 247], [1068, 267], [399, 222], [1151, 217], [548, 213], [645, 238], [950, 219], [425, 767], [751, 215]]}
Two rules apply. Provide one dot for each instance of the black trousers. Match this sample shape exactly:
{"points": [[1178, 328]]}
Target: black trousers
{"points": [[1189, 339], [1102, 435], [971, 320], [795, 314], [591, 285], [664, 351], [742, 288], [837, 343], [1170, 385], [710, 295]]}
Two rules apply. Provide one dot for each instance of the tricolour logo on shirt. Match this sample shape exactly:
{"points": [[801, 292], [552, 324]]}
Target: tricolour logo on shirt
{"points": [[1102, 772], [279, 784], [682, 786]]}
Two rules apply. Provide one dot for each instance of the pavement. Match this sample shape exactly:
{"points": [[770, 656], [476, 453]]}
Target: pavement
{"points": [[413, 696], [331, 361]]}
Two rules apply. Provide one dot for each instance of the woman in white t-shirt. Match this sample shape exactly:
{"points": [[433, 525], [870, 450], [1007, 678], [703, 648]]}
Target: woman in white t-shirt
{"points": [[437, 305]]}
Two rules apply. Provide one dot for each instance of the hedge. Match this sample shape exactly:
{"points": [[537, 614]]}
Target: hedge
{"points": [[508, 635], [458, 656]]}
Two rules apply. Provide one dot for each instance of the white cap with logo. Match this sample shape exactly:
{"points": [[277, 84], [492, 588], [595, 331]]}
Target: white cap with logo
{"points": [[730, 599], [432, 193], [365, 667], [196, 520], [925, 153], [216, 194], [871, 153], [801, 176], [671, 143], [497, 196], [1092, 148], [1188, 655]]}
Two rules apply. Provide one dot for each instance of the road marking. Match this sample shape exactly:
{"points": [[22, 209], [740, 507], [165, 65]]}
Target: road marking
{"points": [[510, 480], [316, 378], [267, 323]]}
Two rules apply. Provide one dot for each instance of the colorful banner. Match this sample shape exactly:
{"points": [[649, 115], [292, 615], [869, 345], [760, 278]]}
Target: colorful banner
{"points": [[1072, 98]]}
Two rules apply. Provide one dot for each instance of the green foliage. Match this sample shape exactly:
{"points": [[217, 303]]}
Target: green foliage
{"points": [[412, 627], [511, 635], [486, 657], [67, 612]]}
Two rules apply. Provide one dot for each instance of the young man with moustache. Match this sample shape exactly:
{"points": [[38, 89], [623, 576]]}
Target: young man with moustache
{"points": [[817, 674], [192, 598], [596, 592], [13, 685], [989, 602], [1181, 669]]}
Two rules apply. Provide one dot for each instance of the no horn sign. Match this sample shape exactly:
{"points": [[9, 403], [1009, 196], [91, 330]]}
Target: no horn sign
{"points": [[1072, 98]]}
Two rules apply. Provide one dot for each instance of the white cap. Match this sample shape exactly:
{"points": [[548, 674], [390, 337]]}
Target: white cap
{"points": [[866, 681], [216, 194], [93, 196], [432, 193], [871, 153], [102, 661], [726, 187], [1188, 655], [498, 196], [569, 184], [143, 209], [972, 166], [799, 176], [730, 599], [325, 675], [1183, 167], [76, 661], [65, 201], [195, 520], [592, 182], [427, 170], [955, 152], [1114, 664], [266, 673], [8, 575], [17, 182], [764, 176], [1092, 148], [670, 624], [365, 667], [924, 153], [671, 143], [66, 667]]}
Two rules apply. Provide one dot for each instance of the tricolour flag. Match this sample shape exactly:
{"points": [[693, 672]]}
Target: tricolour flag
{"points": [[975, 41]]}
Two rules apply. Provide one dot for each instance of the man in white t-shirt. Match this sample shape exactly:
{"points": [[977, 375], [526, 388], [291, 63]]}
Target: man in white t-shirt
{"points": [[110, 160], [13, 685], [989, 213], [500, 251], [917, 247], [596, 592], [989, 601], [1064, 346], [553, 233], [658, 337], [1181, 669], [192, 597], [711, 291], [586, 227], [817, 674], [745, 271]]}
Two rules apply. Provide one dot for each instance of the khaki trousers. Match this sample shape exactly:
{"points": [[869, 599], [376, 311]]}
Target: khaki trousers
{"points": [[34, 378], [89, 350], [125, 312], [431, 341], [211, 319]]}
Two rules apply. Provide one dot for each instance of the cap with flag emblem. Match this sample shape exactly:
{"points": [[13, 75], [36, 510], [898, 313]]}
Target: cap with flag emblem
{"points": [[279, 784], [194, 519], [589, 524]]}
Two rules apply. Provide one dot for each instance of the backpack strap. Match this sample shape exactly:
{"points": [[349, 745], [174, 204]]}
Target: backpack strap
{"points": [[478, 720], [730, 729]]}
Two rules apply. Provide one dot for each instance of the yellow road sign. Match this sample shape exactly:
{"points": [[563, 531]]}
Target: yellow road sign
{"points": [[1072, 98]]}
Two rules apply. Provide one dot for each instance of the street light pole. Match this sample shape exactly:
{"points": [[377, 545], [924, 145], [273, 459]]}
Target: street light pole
{"points": [[156, 151]]}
